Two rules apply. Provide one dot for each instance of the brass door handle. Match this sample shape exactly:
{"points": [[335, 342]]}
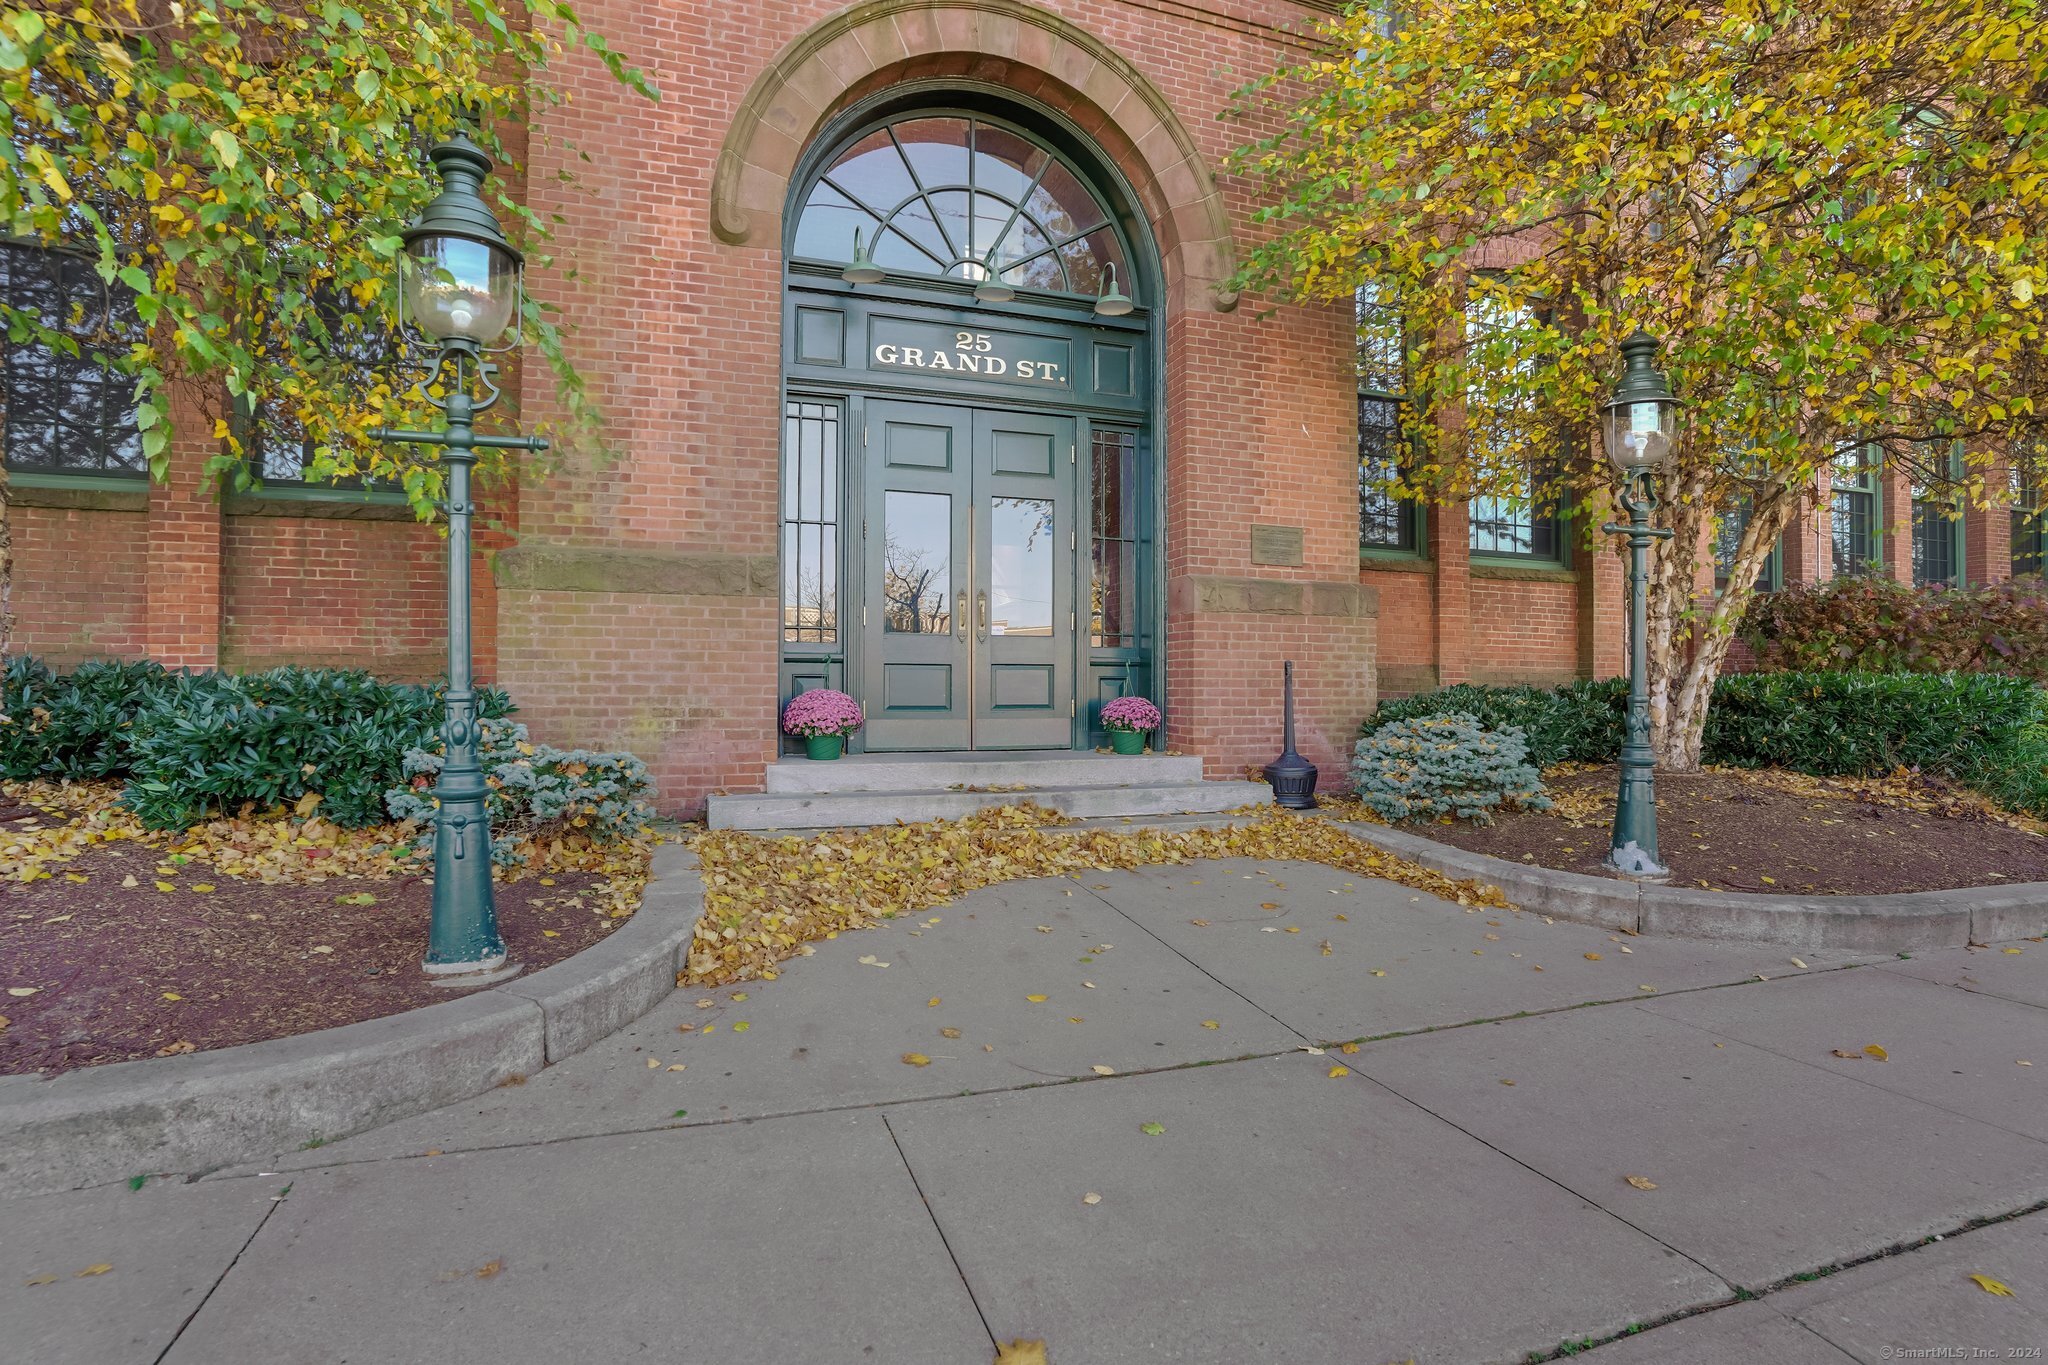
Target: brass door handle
{"points": [[960, 614], [981, 601]]}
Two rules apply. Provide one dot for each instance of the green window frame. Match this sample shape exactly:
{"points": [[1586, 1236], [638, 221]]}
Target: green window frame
{"points": [[949, 195], [1856, 502], [65, 412], [1938, 526], [813, 474], [1387, 522], [1728, 531], [2029, 533], [1523, 524]]}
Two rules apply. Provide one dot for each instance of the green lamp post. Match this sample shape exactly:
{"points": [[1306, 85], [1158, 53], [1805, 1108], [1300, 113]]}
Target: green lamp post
{"points": [[1640, 424], [461, 287]]}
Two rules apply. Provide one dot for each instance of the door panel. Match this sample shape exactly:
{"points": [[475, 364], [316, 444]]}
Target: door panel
{"points": [[1024, 509], [967, 635], [915, 645]]}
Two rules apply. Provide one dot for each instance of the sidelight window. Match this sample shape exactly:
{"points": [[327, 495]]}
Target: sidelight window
{"points": [[810, 522]]}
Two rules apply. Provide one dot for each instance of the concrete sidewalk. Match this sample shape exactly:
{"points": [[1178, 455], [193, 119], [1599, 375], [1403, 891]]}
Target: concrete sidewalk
{"points": [[1459, 1191]]}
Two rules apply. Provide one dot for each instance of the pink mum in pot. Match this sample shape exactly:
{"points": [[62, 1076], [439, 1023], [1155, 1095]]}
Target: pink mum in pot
{"points": [[822, 711], [1130, 713]]}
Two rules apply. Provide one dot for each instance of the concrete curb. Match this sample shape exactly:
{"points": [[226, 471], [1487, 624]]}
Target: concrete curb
{"points": [[1920, 919], [211, 1109]]}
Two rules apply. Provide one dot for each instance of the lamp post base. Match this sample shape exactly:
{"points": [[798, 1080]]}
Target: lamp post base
{"points": [[463, 975], [1632, 862]]}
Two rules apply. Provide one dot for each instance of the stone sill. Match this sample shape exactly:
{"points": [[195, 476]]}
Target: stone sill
{"points": [[1394, 562], [1524, 573], [336, 506]]}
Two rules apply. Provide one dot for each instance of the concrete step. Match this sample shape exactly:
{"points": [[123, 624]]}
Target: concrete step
{"points": [[1024, 767], [854, 809]]}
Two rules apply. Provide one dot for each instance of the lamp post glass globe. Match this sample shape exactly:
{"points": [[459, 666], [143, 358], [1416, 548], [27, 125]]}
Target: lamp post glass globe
{"points": [[1640, 435], [460, 289], [1640, 421]]}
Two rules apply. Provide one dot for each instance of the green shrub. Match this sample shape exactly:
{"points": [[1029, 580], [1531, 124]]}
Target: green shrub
{"points": [[1579, 722], [208, 743], [76, 725], [2014, 773], [535, 790], [1865, 724], [1445, 765], [1883, 626], [1983, 729]]}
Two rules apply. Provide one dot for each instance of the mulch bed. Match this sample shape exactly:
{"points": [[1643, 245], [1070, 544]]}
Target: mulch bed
{"points": [[120, 972], [1739, 832]]}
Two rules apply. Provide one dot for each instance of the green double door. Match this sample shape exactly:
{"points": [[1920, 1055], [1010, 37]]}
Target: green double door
{"points": [[968, 567]]}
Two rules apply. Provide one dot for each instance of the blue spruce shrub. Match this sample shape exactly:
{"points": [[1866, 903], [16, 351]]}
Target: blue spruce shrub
{"points": [[535, 789], [1446, 764]]}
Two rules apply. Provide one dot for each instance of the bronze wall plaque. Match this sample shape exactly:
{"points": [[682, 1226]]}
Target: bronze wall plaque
{"points": [[1276, 544]]}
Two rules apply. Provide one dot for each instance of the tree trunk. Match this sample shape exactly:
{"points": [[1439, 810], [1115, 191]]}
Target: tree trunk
{"points": [[1692, 658], [6, 560]]}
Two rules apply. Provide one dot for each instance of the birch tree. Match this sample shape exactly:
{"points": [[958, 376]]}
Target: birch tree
{"points": [[1834, 215]]}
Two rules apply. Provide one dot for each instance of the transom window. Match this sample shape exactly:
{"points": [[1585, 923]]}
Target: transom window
{"points": [[954, 196]]}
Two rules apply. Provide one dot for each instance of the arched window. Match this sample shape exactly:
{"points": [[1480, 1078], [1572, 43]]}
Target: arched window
{"points": [[942, 195]]}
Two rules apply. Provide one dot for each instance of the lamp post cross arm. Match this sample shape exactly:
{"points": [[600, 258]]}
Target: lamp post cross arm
{"points": [[440, 438]]}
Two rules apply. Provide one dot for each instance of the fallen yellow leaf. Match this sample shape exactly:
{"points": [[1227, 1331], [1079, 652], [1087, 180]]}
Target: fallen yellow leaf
{"points": [[1592, 957], [949, 1033], [100, 1269], [1340, 1071], [1103, 1070], [1991, 1286], [1641, 1182], [1873, 1050], [653, 1063], [1348, 1049], [916, 1059], [1036, 999], [1210, 1023], [1091, 1199], [165, 886], [933, 1002], [549, 933], [1020, 1352], [172, 995]]}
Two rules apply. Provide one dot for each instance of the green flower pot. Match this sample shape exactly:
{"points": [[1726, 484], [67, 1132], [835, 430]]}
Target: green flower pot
{"points": [[1127, 741], [823, 746]]}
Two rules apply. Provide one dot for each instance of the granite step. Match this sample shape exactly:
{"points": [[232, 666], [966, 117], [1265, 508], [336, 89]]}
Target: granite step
{"points": [[856, 808], [941, 772]]}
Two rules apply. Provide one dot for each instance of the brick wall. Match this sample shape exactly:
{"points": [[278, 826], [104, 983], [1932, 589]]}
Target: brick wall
{"points": [[335, 593], [630, 599], [79, 589]]}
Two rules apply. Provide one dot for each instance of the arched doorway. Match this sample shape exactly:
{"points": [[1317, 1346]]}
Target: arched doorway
{"points": [[970, 513]]}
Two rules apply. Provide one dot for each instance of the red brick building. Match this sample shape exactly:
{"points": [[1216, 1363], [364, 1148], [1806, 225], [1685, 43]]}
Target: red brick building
{"points": [[983, 515]]}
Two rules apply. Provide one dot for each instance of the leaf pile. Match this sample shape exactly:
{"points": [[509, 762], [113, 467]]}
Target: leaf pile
{"points": [[279, 847], [766, 899]]}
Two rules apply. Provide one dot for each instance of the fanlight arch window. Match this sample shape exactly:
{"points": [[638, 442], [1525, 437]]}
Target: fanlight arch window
{"points": [[955, 196]]}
